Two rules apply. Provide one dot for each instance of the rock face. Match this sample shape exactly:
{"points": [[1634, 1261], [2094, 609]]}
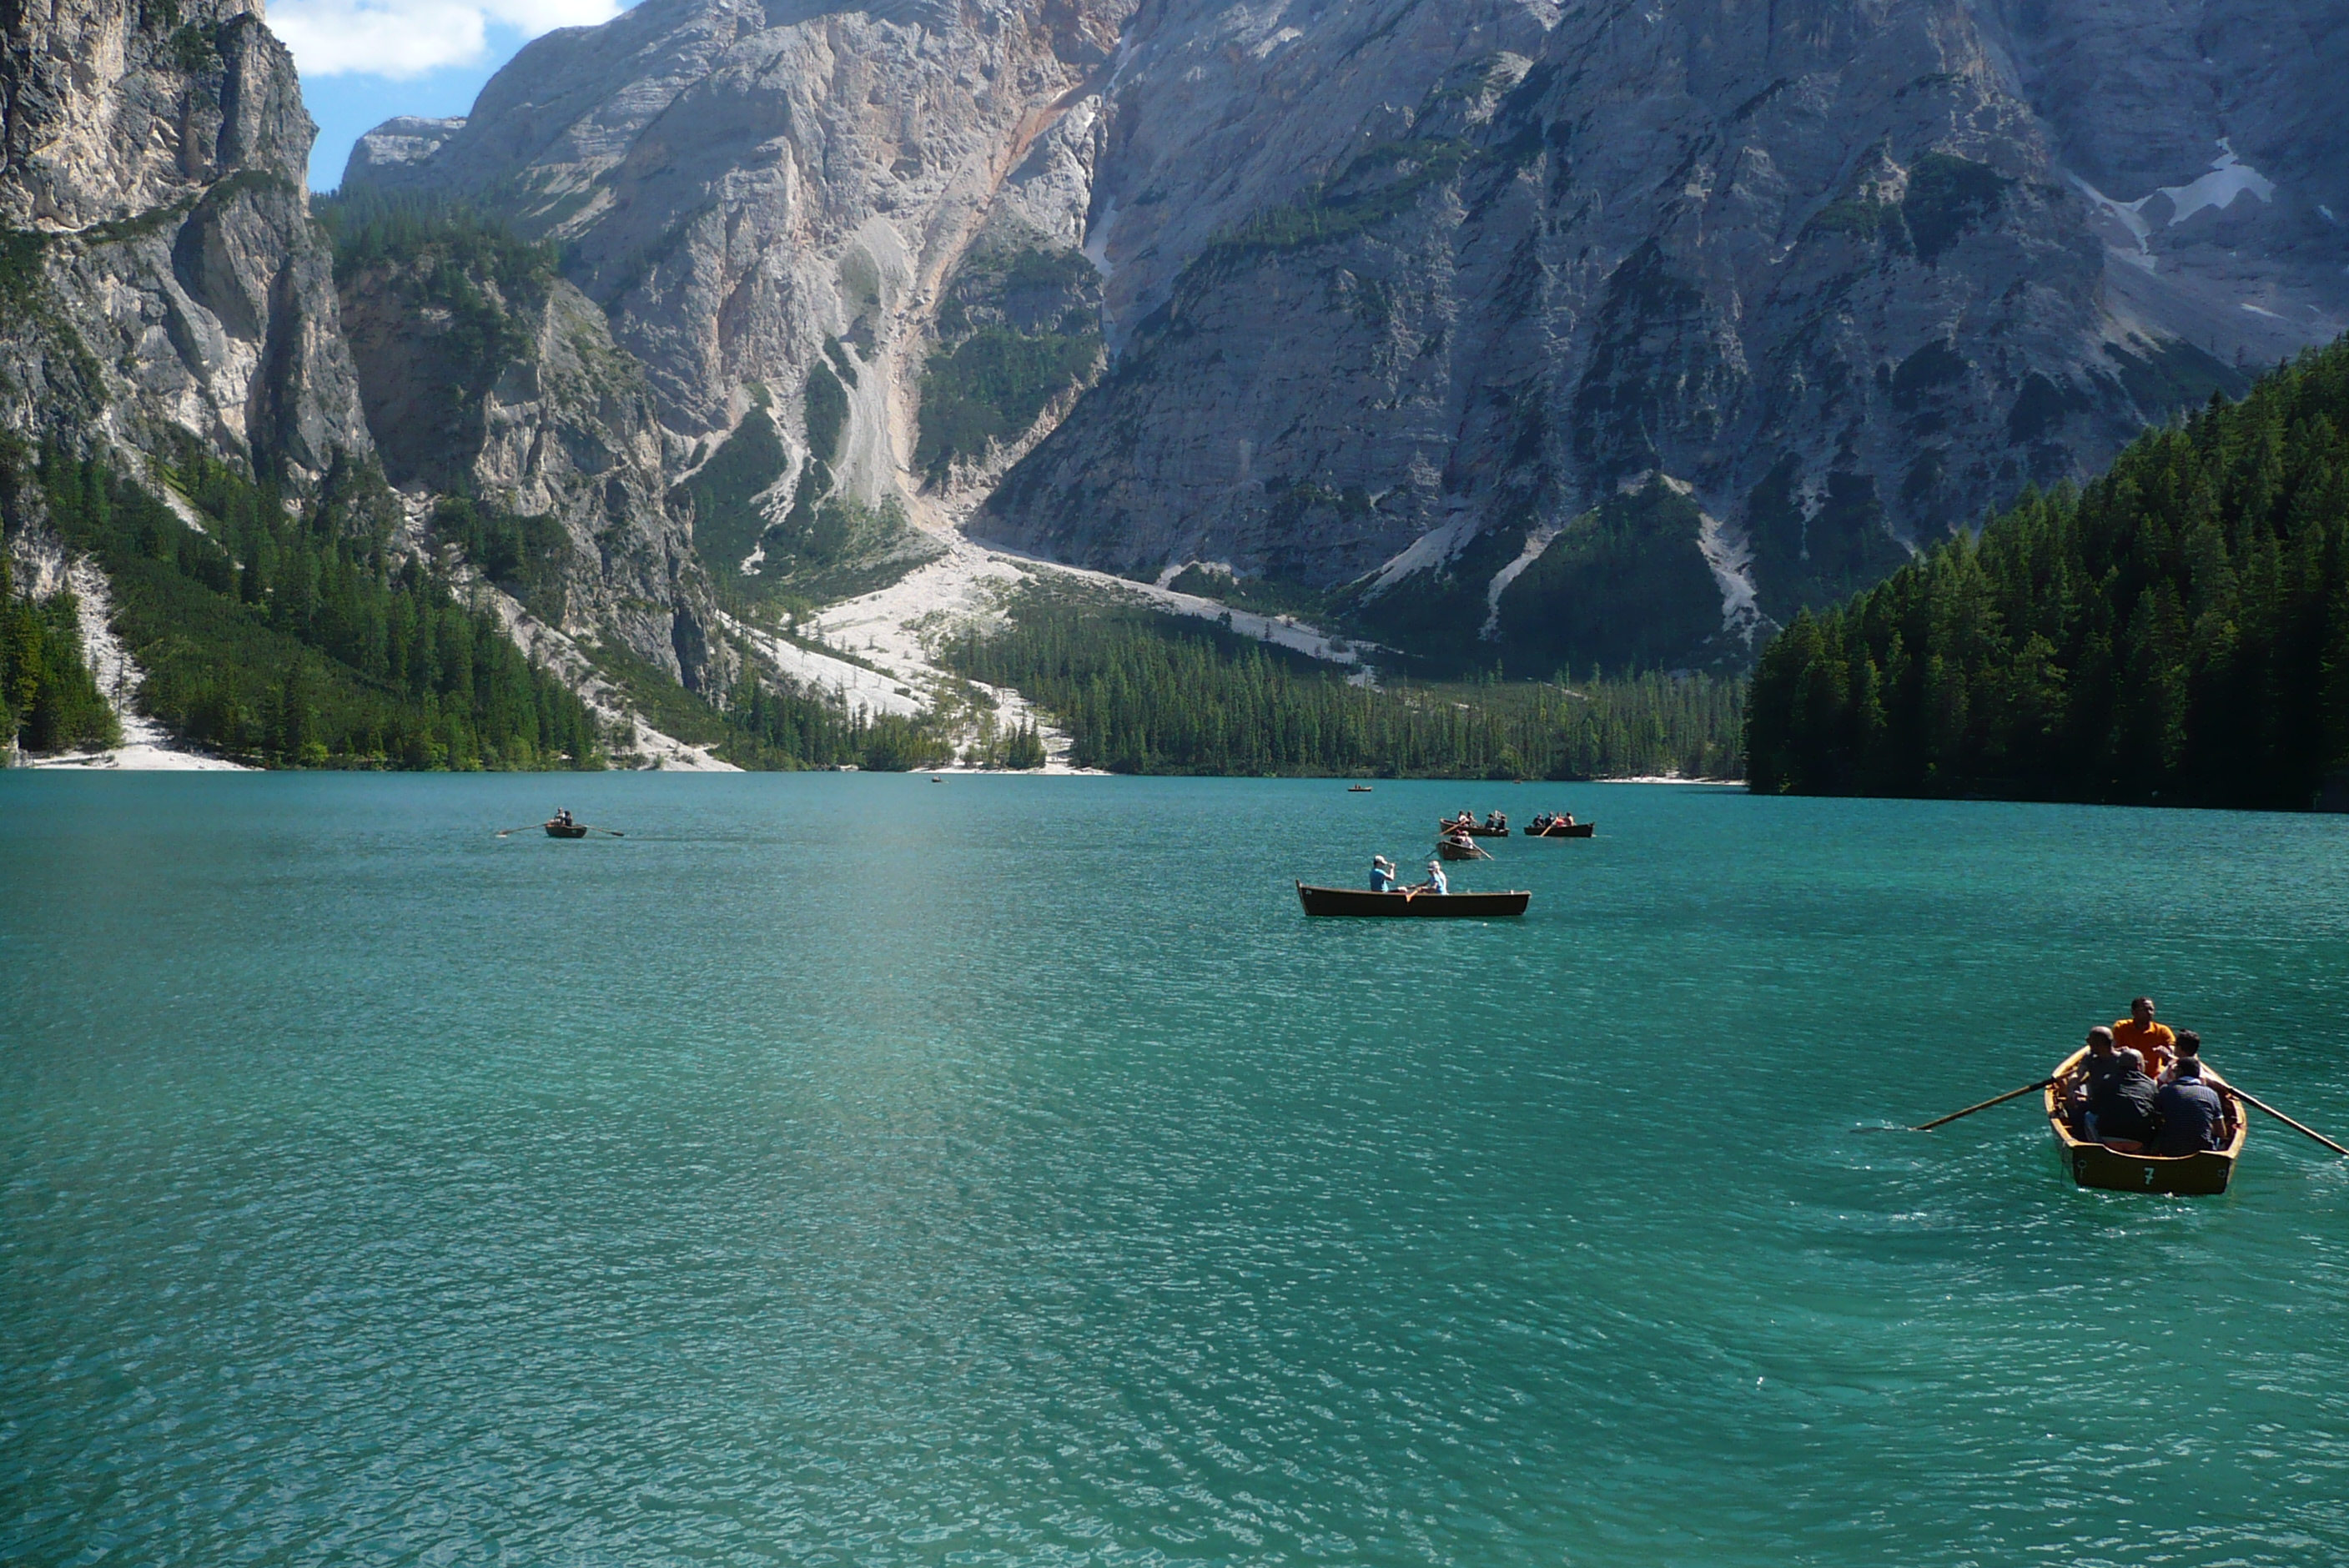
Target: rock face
{"points": [[1467, 269], [487, 377], [736, 183], [1394, 295], [161, 274]]}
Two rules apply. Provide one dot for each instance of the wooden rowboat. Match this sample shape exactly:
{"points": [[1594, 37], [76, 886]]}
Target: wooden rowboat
{"points": [[1563, 831], [1452, 850], [2095, 1165], [1359, 900], [566, 830], [1357, 789], [1474, 830]]}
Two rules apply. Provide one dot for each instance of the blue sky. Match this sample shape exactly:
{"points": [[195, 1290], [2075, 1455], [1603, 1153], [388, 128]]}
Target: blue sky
{"points": [[364, 61]]}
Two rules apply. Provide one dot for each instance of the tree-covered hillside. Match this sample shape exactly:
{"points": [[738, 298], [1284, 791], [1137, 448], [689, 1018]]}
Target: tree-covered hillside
{"points": [[2178, 632], [1141, 692], [295, 637]]}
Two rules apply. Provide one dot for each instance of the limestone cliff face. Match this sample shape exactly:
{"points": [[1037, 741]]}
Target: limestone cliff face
{"points": [[1506, 319], [736, 183], [488, 377], [162, 271], [1465, 270]]}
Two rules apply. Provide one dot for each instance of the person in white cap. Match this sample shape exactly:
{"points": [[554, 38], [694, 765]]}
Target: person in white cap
{"points": [[1382, 877]]}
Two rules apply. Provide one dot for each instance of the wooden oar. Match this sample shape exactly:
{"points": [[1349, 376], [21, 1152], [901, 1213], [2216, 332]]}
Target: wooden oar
{"points": [[2296, 1126], [1985, 1105], [503, 832], [614, 831]]}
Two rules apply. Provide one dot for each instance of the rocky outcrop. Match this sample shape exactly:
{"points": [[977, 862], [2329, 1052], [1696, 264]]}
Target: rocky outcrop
{"points": [[1397, 298], [1465, 271], [735, 183], [161, 274], [490, 379]]}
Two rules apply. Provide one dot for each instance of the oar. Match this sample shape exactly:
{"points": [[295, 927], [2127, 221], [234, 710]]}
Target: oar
{"points": [[2296, 1126], [614, 831], [1985, 1105], [526, 828]]}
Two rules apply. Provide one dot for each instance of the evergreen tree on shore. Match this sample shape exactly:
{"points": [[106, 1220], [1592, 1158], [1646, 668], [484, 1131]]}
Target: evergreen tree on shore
{"points": [[47, 700], [2178, 632], [1141, 692], [296, 635]]}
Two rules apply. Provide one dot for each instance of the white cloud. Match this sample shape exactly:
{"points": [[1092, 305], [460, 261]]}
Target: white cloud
{"points": [[410, 37]]}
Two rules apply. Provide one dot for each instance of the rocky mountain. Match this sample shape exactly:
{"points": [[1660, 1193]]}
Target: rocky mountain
{"points": [[493, 383], [169, 298], [161, 271], [1493, 330], [1391, 297]]}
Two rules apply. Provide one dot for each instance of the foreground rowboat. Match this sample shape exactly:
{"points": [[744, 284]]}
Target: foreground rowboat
{"points": [[2094, 1165], [566, 830], [1359, 900]]}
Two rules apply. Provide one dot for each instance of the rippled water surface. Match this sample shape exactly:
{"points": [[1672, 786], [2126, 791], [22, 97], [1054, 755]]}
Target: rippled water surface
{"points": [[873, 1171]]}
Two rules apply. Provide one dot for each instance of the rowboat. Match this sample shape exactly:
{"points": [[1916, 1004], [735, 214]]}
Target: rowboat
{"points": [[1563, 831], [1357, 789], [555, 829], [1454, 850], [1357, 900], [1474, 830], [2095, 1165]]}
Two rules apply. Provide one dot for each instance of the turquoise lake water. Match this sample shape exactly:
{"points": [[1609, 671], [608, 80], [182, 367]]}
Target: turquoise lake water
{"points": [[862, 1171]]}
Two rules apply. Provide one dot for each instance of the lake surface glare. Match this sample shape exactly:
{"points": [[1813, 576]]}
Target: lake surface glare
{"points": [[864, 1171]]}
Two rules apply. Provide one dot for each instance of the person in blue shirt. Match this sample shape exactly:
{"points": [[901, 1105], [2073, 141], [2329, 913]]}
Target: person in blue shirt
{"points": [[1434, 882], [2193, 1116], [1382, 874]]}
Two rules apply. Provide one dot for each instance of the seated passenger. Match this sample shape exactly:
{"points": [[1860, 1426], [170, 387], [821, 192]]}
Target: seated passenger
{"points": [[2122, 1108], [1434, 882], [2190, 1049], [2139, 1033], [2193, 1116], [2099, 1065], [1382, 878]]}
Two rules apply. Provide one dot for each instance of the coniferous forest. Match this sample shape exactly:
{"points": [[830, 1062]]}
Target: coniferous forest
{"points": [[1141, 692], [47, 700], [2177, 632], [295, 637]]}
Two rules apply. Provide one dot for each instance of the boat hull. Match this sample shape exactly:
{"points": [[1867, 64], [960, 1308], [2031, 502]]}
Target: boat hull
{"points": [[557, 831], [2186, 1175], [1417, 906], [1474, 831], [1458, 851], [1563, 831]]}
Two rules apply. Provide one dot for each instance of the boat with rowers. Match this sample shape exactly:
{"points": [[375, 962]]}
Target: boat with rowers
{"points": [[2094, 1164], [1560, 828], [1418, 905], [1475, 829]]}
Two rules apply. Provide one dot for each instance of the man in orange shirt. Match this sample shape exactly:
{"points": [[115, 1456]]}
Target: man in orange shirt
{"points": [[2139, 1033]]}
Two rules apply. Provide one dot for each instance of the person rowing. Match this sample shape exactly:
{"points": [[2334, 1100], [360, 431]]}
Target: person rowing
{"points": [[1435, 883]]}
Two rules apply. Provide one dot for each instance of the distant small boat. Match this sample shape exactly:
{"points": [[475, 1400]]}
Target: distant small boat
{"points": [[2099, 1165], [1562, 830], [1357, 789], [1359, 900], [556, 829]]}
